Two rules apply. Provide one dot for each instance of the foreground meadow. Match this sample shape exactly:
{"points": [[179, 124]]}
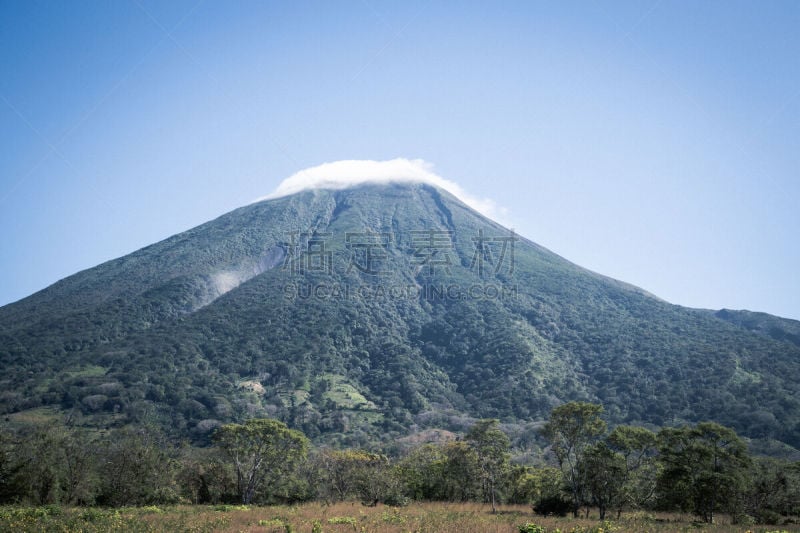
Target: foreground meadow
{"points": [[345, 517]]}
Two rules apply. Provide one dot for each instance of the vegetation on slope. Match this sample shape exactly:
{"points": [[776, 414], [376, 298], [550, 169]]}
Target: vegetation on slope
{"points": [[270, 311]]}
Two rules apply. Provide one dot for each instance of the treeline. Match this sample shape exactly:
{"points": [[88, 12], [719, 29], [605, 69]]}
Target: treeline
{"points": [[704, 469]]}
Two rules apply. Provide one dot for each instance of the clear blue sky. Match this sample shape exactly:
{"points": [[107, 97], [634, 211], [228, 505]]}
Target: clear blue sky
{"points": [[657, 142]]}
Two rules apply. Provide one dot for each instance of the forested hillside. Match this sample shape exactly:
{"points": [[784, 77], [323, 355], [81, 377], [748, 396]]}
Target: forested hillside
{"points": [[362, 315]]}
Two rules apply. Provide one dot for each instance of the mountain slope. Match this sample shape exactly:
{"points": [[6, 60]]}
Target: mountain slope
{"points": [[374, 311], [781, 329]]}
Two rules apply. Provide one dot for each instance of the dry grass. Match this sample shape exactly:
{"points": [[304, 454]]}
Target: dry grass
{"points": [[344, 517]]}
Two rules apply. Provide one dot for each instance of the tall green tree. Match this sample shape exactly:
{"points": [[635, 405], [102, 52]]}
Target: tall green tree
{"points": [[604, 472], [491, 446], [571, 429], [137, 468], [52, 464], [79, 464], [345, 474], [378, 480], [528, 484], [9, 466], [774, 490], [422, 472], [41, 473], [205, 476], [461, 472], [260, 449], [704, 468], [638, 447]]}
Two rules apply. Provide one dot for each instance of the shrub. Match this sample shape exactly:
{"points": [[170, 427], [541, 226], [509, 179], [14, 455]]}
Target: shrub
{"points": [[767, 516], [276, 524], [227, 508], [552, 505], [531, 528], [342, 520]]}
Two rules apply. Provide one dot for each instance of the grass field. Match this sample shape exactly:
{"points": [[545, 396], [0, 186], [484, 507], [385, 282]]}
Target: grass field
{"points": [[343, 517]]}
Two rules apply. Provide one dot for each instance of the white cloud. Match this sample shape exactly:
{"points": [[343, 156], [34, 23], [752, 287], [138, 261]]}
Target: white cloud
{"points": [[349, 173]]}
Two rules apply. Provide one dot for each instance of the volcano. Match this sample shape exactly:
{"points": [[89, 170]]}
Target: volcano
{"points": [[373, 311]]}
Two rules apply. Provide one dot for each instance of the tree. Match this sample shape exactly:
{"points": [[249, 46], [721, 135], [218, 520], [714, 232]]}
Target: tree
{"points": [[206, 477], [774, 490], [40, 475], [638, 447], [378, 481], [460, 472], [337, 473], [138, 467], [260, 449], [572, 427], [79, 466], [422, 471], [348, 473], [705, 468], [51, 464], [604, 472], [528, 484], [9, 467], [491, 446]]}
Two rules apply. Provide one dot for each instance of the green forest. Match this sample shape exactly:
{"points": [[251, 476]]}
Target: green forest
{"points": [[704, 469]]}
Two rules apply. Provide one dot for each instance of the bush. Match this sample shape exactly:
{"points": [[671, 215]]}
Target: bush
{"points": [[396, 500], [343, 520], [276, 524], [552, 505], [228, 508], [532, 528], [767, 516]]}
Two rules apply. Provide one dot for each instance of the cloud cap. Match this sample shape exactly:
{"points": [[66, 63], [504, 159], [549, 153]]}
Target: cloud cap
{"points": [[353, 172]]}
